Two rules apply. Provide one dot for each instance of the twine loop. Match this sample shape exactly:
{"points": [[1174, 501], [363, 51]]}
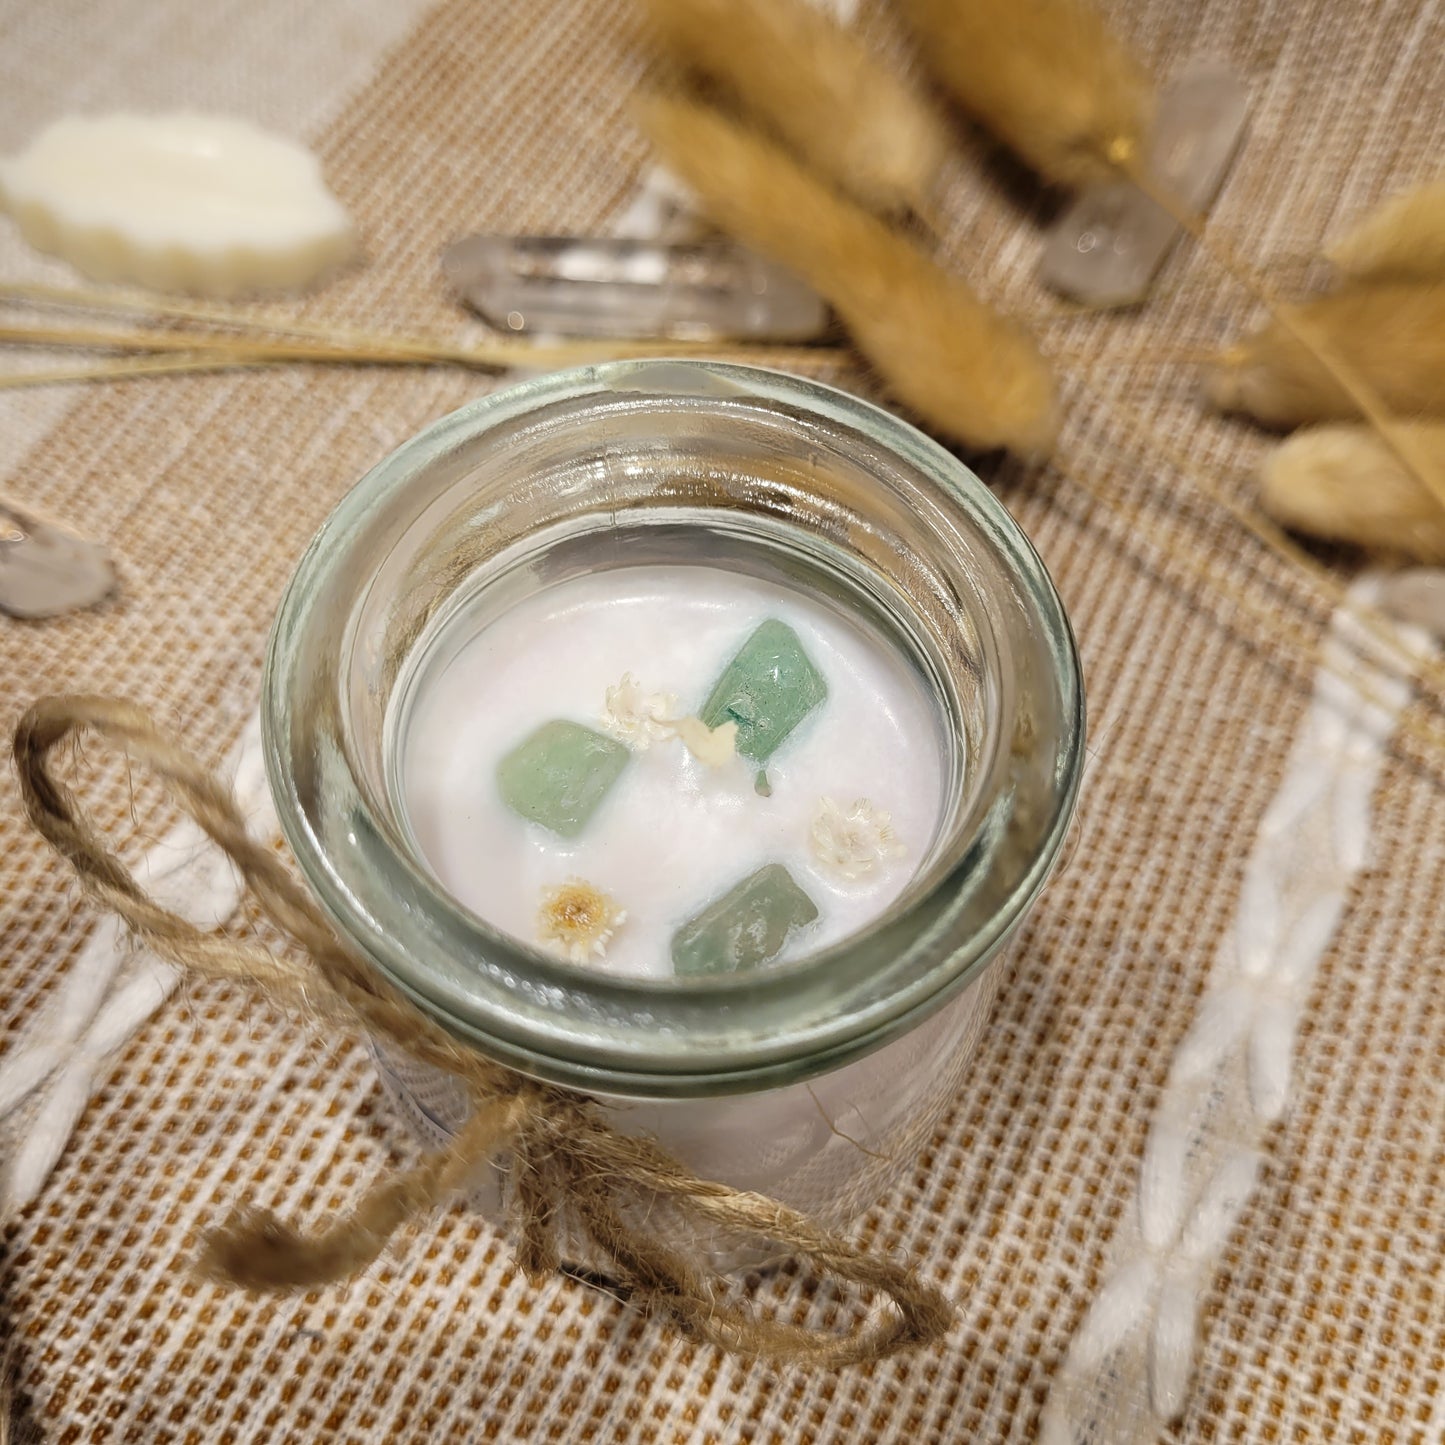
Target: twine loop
{"points": [[566, 1162]]}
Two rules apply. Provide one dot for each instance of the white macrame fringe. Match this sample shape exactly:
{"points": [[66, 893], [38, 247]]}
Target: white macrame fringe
{"points": [[1128, 1368], [112, 989]]}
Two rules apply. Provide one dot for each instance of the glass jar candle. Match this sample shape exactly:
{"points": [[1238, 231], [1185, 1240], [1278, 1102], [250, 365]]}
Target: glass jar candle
{"points": [[815, 1077]]}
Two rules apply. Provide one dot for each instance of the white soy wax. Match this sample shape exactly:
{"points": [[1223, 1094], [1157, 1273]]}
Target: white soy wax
{"points": [[672, 835]]}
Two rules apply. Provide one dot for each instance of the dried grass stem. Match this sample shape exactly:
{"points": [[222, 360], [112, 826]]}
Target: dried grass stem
{"points": [[206, 351]]}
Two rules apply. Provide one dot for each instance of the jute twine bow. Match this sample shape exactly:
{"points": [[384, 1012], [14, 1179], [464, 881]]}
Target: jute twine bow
{"points": [[566, 1161]]}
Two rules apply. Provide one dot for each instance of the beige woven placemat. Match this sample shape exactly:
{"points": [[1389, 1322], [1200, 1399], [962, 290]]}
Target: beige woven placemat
{"points": [[1328, 1319]]}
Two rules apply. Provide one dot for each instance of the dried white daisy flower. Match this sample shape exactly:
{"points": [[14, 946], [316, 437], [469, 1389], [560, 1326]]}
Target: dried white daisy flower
{"points": [[855, 842], [636, 717], [580, 918], [639, 719], [713, 747]]}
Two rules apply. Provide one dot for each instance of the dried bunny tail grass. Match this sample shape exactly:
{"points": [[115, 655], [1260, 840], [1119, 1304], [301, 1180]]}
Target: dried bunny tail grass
{"points": [[819, 87], [967, 371], [1046, 76], [1345, 484], [1392, 336], [1306, 343], [1403, 239]]}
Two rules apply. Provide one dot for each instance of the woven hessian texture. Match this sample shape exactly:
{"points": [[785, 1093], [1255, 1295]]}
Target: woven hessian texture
{"points": [[1328, 1319]]}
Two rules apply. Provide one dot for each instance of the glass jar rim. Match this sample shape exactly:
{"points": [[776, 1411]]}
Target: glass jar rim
{"points": [[605, 1031]]}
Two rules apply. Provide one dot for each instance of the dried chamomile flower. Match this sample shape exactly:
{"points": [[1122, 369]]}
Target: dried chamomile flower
{"points": [[579, 918], [855, 842], [637, 717], [640, 718], [713, 747]]}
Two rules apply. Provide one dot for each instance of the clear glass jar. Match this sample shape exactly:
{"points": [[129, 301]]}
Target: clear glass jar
{"points": [[816, 1080]]}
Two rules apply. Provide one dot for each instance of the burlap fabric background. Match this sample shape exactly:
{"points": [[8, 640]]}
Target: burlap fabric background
{"points": [[1328, 1321]]}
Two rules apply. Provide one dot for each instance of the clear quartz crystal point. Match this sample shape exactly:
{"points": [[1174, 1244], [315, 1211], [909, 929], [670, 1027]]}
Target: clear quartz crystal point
{"points": [[747, 926], [621, 287], [559, 775], [1108, 246], [767, 690]]}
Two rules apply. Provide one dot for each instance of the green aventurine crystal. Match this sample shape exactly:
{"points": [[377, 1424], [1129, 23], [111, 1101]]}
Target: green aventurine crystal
{"points": [[747, 926], [559, 775], [767, 689]]}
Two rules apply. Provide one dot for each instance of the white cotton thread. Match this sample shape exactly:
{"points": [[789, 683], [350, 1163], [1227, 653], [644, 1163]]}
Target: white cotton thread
{"points": [[38, 1150], [1271, 1053], [1126, 1297], [24, 1070], [1351, 825], [129, 1007], [1259, 920], [1171, 1344], [1161, 1201], [1222, 1021], [112, 989], [1299, 794], [43, 1143], [184, 873], [1231, 1073], [89, 977], [26, 1066], [1206, 1230]]}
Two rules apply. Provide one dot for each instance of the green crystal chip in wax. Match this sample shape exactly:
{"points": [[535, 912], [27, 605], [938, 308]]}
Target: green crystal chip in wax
{"points": [[747, 926], [767, 689], [560, 774]]}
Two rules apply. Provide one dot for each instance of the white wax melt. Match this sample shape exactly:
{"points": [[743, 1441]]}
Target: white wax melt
{"points": [[180, 202], [672, 834]]}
